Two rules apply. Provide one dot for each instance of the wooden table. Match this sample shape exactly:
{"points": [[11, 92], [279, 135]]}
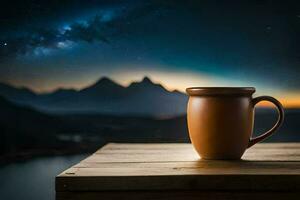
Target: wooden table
{"points": [[174, 171]]}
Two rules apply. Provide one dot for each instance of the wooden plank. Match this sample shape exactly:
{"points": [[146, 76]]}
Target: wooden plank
{"points": [[177, 195], [186, 168], [162, 146], [287, 155], [180, 182], [185, 152], [165, 169], [265, 167]]}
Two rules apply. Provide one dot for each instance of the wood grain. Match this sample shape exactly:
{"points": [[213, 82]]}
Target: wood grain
{"points": [[265, 168]]}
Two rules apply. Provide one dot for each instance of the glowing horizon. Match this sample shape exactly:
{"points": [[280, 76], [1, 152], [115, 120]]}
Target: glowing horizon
{"points": [[171, 81], [176, 48]]}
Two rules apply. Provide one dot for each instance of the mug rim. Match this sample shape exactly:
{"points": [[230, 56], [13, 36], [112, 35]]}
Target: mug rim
{"points": [[200, 91]]}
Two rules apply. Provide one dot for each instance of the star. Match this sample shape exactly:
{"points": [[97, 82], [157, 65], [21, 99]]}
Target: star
{"points": [[5, 44]]}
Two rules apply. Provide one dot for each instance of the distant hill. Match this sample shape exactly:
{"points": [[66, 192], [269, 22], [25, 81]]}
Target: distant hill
{"points": [[143, 98], [25, 132], [22, 127], [10, 115], [18, 94]]}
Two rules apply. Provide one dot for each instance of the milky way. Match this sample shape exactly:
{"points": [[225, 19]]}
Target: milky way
{"points": [[45, 45]]}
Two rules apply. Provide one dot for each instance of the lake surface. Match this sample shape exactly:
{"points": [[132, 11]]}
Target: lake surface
{"points": [[34, 179]]}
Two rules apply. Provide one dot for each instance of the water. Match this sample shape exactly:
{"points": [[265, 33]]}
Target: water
{"points": [[34, 179]]}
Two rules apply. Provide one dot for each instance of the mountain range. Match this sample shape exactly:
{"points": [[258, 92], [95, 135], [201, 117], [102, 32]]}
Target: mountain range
{"points": [[83, 120], [27, 132], [144, 98]]}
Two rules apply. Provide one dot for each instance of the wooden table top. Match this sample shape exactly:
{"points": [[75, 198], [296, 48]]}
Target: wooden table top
{"points": [[265, 166]]}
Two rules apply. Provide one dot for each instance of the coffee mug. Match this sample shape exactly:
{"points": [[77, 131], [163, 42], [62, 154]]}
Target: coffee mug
{"points": [[220, 120]]}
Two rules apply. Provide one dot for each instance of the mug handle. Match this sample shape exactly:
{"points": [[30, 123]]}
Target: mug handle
{"points": [[280, 110]]}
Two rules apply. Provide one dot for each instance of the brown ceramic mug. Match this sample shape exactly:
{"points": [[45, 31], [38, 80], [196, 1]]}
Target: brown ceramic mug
{"points": [[220, 120]]}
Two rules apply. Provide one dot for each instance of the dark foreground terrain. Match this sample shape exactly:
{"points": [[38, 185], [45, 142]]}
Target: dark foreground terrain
{"points": [[25, 132]]}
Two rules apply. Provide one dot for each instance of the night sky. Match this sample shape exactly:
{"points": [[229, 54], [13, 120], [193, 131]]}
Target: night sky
{"points": [[45, 45]]}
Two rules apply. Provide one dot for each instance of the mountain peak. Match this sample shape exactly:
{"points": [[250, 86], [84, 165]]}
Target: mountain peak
{"points": [[146, 79], [145, 84], [104, 79], [104, 83]]}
